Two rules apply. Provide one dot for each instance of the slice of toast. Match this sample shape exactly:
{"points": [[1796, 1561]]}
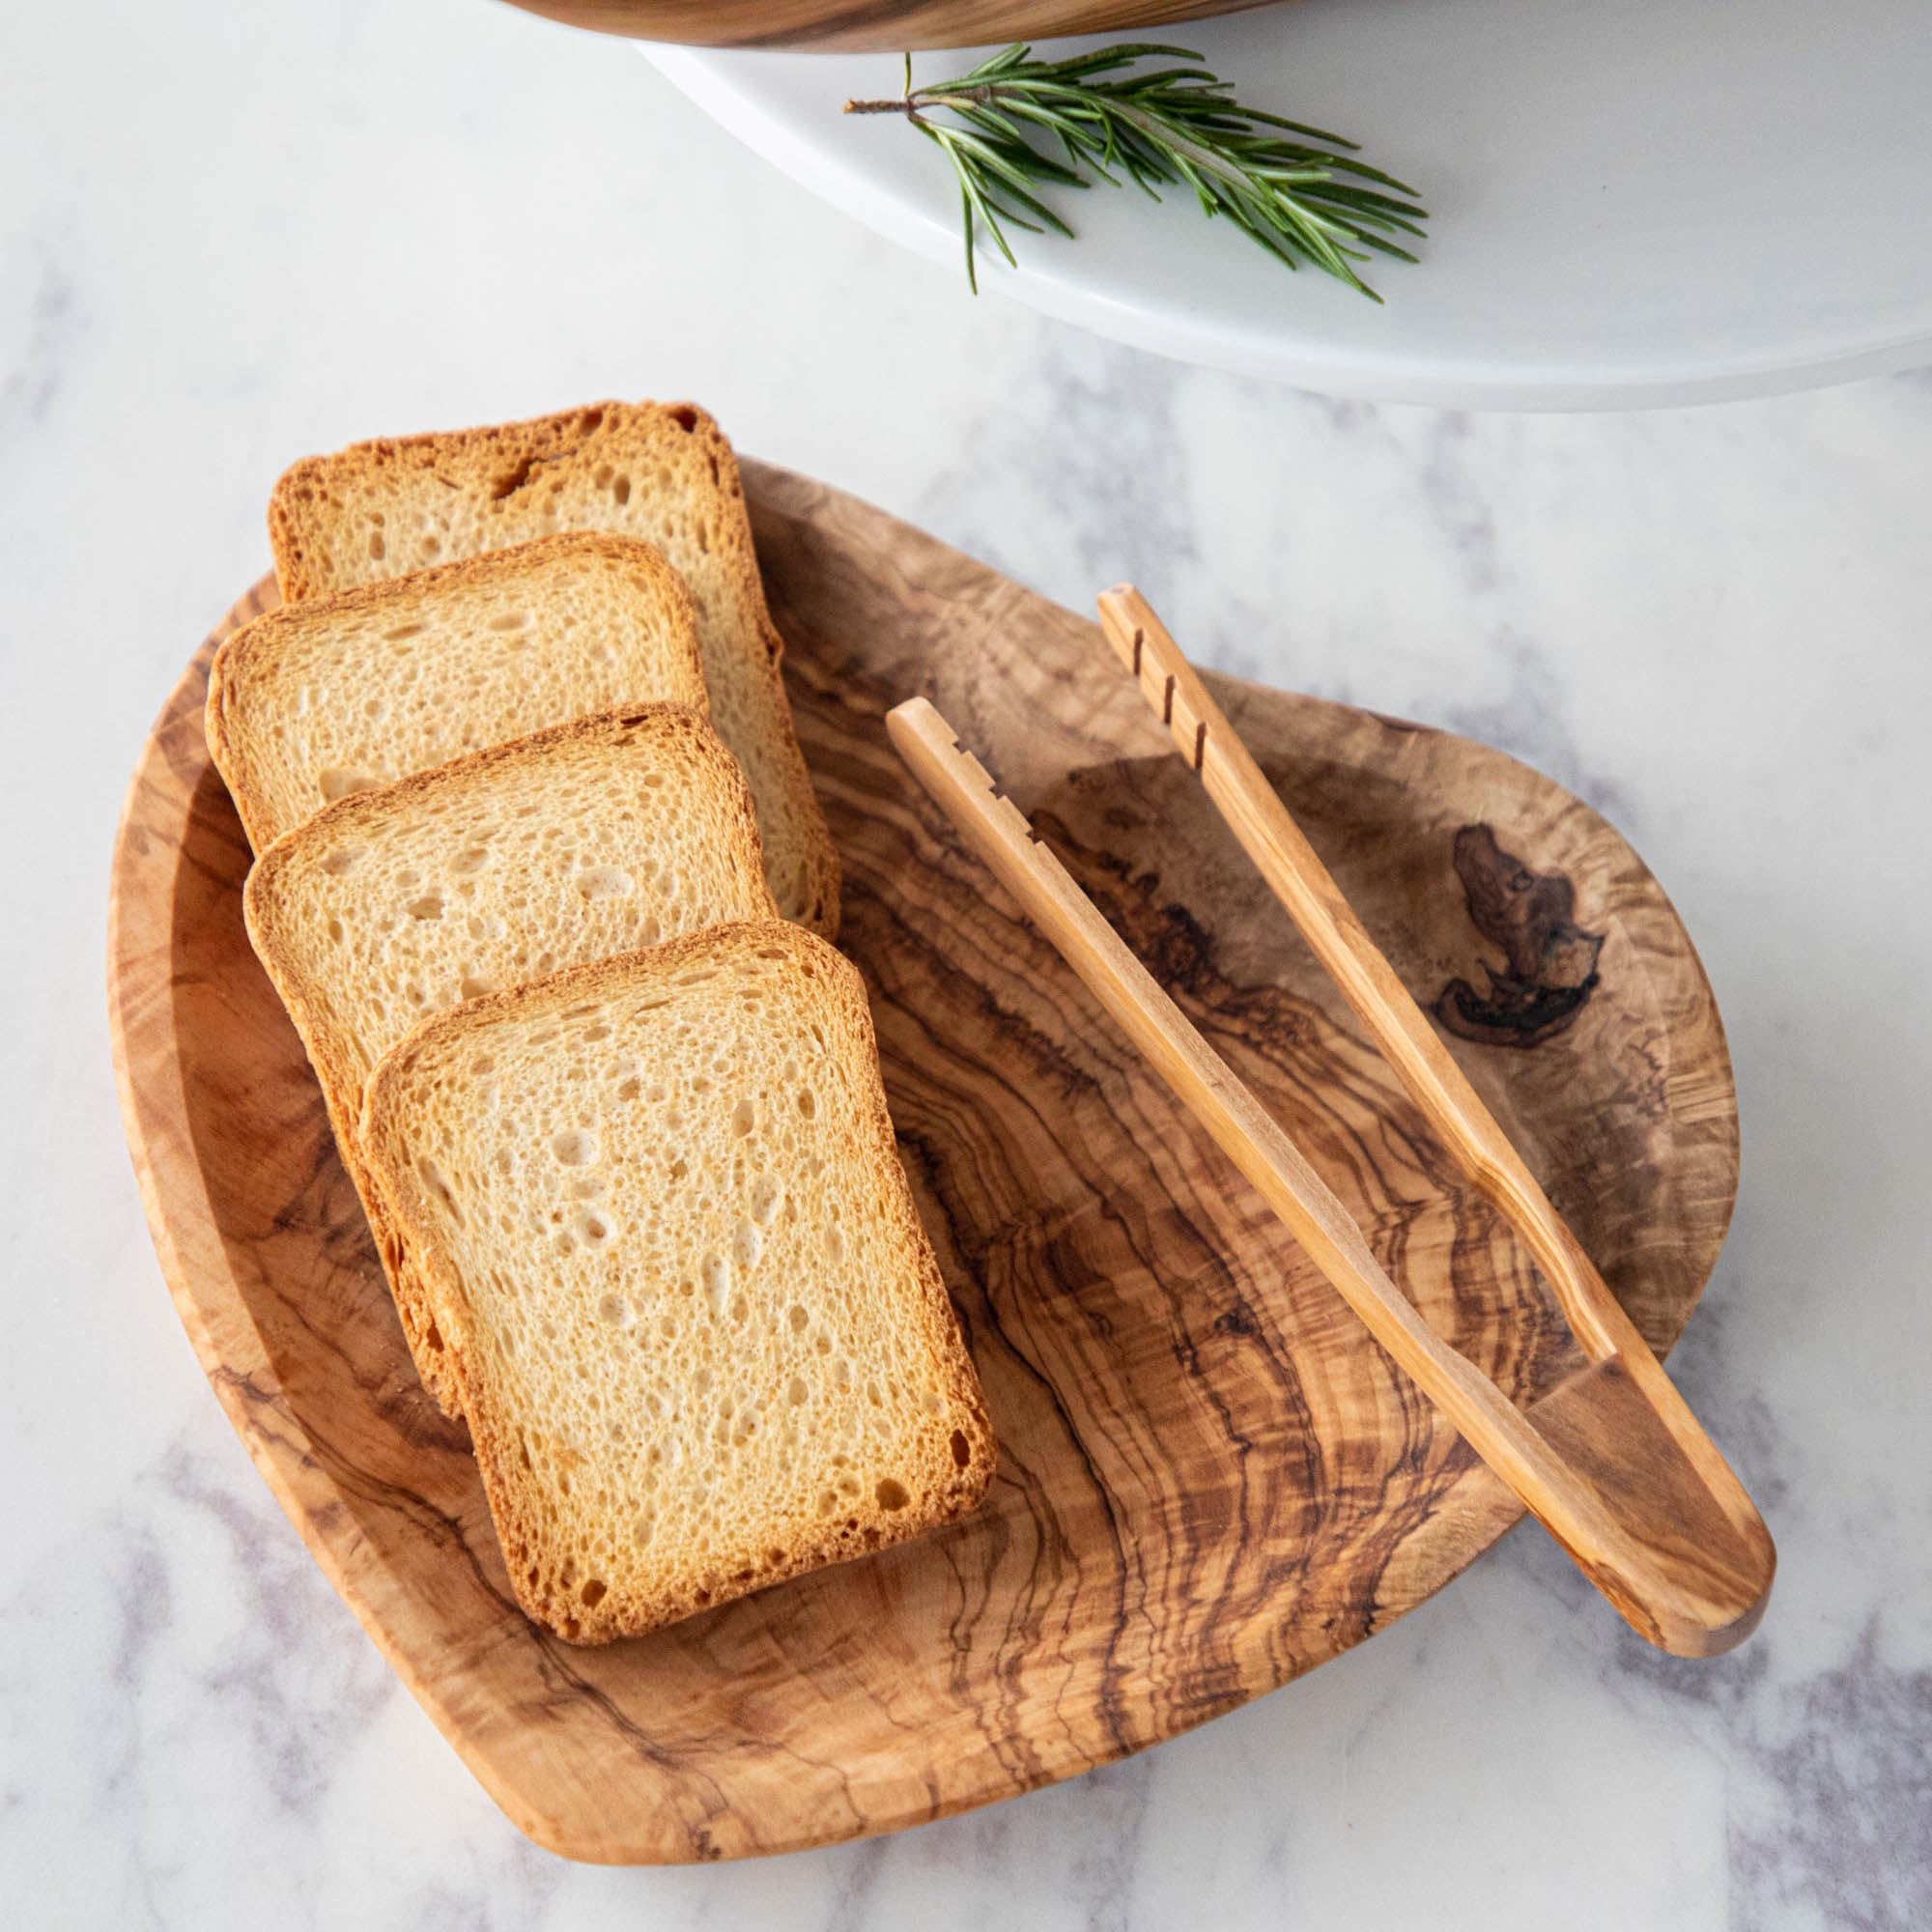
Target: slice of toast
{"points": [[592, 837], [661, 472], [703, 1340], [341, 693]]}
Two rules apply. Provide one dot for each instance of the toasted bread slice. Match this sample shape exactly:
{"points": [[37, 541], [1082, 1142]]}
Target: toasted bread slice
{"points": [[341, 693], [592, 837], [703, 1340], [661, 472]]}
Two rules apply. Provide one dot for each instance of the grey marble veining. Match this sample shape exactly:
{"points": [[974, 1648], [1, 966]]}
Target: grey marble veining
{"points": [[226, 239]]}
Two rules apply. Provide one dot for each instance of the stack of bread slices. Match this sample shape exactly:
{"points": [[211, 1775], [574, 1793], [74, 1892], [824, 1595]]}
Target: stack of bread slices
{"points": [[542, 880]]}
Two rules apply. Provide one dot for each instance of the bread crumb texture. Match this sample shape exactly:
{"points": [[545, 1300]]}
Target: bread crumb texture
{"points": [[703, 1340], [591, 839], [661, 472], [342, 694], [598, 837]]}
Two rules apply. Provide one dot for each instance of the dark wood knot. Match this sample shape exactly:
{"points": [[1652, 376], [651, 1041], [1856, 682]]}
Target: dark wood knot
{"points": [[1550, 962]]}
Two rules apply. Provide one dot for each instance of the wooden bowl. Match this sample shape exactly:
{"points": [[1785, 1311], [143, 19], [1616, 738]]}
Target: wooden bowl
{"points": [[851, 27], [1210, 1479]]}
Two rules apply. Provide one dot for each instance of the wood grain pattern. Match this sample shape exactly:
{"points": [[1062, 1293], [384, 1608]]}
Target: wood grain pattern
{"points": [[1654, 1517], [1638, 1493], [849, 26], [1209, 1483]]}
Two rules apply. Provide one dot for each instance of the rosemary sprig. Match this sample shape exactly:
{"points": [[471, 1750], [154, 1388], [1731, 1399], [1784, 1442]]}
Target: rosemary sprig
{"points": [[1303, 199]]}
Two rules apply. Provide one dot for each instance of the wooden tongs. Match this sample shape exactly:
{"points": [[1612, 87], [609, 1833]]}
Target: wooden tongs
{"points": [[1611, 1462]]}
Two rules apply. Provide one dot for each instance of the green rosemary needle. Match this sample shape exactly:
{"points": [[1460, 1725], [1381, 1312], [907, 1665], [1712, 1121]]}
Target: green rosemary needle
{"points": [[1295, 191]]}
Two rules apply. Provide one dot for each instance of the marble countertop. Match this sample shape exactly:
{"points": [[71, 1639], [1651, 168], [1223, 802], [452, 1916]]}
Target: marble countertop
{"points": [[228, 236]]}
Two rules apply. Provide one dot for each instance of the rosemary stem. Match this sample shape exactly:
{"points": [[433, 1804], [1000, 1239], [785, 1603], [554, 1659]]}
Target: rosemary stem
{"points": [[1023, 127], [1204, 159]]}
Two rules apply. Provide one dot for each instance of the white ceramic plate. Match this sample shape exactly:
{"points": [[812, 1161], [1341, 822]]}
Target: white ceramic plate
{"points": [[1633, 202]]}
